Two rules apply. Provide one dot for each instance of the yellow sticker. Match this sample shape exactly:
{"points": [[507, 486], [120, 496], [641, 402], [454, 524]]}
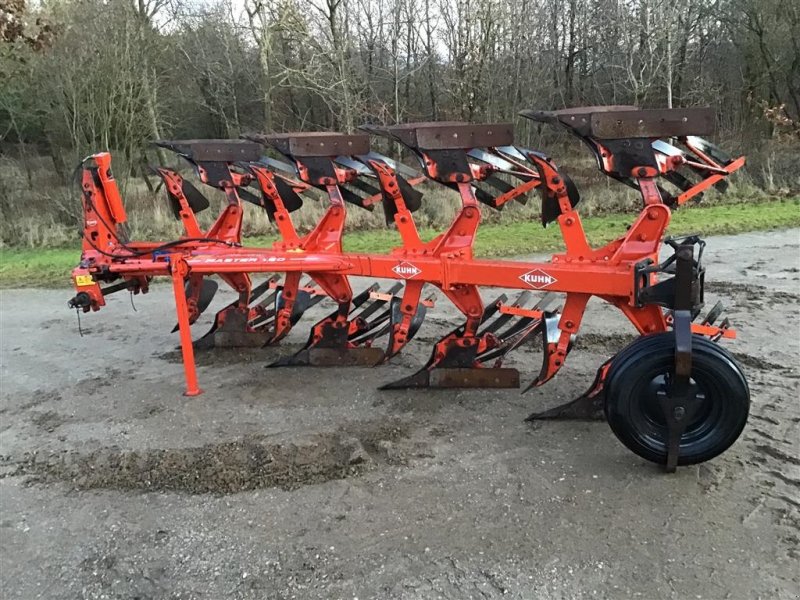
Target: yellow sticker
{"points": [[83, 280]]}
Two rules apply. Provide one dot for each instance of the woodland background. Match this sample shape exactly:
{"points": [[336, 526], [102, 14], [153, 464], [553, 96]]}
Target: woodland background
{"points": [[79, 76]]}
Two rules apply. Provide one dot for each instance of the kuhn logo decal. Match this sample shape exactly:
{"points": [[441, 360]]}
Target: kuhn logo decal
{"points": [[538, 279], [406, 270]]}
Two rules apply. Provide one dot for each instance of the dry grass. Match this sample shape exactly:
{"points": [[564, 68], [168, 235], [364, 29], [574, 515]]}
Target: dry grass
{"points": [[37, 210]]}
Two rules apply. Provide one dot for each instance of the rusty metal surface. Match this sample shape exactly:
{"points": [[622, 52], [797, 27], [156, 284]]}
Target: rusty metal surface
{"points": [[574, 117], [457, 377], [453, 135], [624, 121], [314, 143], [403, 129], [473, 378], [214, 150], [240, 339], [577, 118], [234, 333], [653, 123], [589, 110], [344, 357]]}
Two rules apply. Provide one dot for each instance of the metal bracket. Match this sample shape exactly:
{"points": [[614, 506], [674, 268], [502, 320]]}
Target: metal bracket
{"points": [[679, 401], [665, 292]]}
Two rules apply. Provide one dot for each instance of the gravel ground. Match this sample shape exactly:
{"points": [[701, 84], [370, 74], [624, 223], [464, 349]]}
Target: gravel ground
{"points": [[311, 483]]}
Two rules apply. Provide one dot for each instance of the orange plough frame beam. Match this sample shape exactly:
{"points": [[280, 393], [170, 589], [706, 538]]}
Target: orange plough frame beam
{"points": [[623, 272]]}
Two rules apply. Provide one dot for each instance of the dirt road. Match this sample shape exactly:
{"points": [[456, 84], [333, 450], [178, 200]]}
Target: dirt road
{"points": [[310, 483]]}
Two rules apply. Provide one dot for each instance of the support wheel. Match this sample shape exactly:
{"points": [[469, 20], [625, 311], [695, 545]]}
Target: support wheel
{"points": [[643, 369]]}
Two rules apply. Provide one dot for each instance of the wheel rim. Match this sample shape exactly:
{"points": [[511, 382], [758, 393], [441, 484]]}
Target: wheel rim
{"points": [[634, 412], [646, 416]]}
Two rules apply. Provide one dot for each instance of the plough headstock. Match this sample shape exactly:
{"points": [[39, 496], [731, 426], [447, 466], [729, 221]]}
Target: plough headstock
{"points": [[660, 298]]}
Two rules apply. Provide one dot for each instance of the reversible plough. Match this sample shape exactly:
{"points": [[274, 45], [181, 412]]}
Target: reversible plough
{"points": [[673, 396]]}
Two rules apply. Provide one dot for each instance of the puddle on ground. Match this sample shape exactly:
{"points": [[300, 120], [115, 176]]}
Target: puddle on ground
{"points": [[246, 464], [230, 356], [750, 292], [755, 362]]}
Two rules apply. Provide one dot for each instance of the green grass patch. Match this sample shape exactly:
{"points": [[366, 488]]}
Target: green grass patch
{"points": [[37, 268], [51, 266]]}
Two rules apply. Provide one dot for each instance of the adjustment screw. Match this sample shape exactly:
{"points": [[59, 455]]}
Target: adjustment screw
{"points": [[678, 413]]}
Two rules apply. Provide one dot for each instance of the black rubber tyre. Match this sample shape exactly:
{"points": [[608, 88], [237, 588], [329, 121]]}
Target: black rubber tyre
{"points": [[635, 416]]}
